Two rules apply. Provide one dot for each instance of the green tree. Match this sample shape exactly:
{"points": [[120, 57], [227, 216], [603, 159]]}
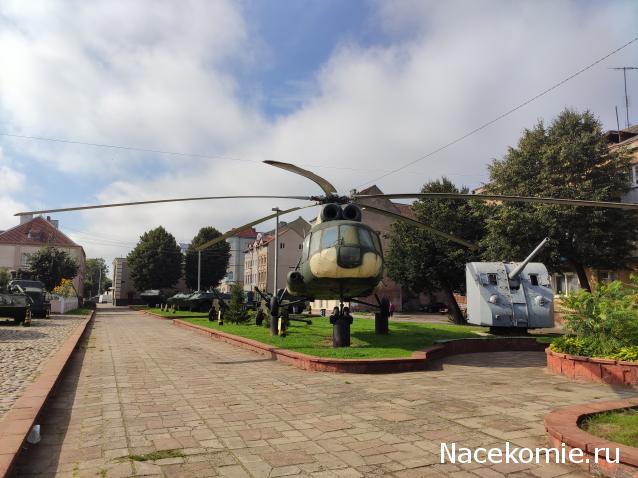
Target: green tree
{"points": [[156, 261], [569, 159], [425, 263], [236, 311], [214, 259], [95, 274], [51, 265]]}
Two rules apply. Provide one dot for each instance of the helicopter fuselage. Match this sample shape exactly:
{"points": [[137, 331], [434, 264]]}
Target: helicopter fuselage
{"points": [[340, 259]]}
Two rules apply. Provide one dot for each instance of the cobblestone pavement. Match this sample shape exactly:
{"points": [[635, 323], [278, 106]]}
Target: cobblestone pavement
{"points": [[23, 351], [141, 385]]}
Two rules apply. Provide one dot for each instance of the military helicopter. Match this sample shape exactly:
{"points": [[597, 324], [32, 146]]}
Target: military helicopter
{"points": [[341, 257]]}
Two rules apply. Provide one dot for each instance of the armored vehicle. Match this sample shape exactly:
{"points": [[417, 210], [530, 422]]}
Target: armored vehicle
{"points": [[40, 304], [506, 295], [204, 301], [15, 304], [152, 297], [178, 301]]}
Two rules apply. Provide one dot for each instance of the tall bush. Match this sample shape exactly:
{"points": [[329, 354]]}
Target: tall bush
{"points": [[236, 311], [603, 322]]}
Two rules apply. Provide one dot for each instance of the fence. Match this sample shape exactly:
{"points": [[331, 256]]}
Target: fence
{"points": [[63, 304]]}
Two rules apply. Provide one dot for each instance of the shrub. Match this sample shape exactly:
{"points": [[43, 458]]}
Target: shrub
{"points": [[602, 323], [236, 311], [89, 304], [627, 354]]}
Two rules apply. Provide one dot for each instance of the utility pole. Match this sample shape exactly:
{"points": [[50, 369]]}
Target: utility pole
{"points": [[277, 210], [624, 72], [99, 282], [199, 271]]}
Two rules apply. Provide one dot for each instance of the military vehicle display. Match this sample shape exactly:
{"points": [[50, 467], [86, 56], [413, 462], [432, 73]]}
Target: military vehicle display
{"points": [[151, 297], [178, 301], [341, 258], [508, 295], [40, 304], [205, 300], [15, 304]]}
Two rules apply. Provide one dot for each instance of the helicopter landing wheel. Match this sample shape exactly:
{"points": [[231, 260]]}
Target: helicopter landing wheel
{"points": [[381, 318], [341, 320], [274, 316]]}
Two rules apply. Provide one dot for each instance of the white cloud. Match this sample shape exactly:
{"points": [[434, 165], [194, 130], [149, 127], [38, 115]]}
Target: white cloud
{"points": [[162, 78], [11, 184]]}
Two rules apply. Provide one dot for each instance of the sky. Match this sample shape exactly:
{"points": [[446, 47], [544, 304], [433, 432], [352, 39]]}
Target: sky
{"points": [[351, 90]]}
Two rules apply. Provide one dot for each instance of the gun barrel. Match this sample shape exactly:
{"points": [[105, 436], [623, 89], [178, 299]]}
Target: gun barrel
{"points": [[514, 274]]}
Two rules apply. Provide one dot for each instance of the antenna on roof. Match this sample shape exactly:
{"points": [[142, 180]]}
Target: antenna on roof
{"points": [[624, 72], [617, 124]]}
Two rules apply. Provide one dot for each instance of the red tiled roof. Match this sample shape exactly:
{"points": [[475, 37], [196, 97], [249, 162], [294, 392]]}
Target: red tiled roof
{"points": [[247, 234], [37, 232]]}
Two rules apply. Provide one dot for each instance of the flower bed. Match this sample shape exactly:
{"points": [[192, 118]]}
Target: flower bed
{"points": [[612, 372]]}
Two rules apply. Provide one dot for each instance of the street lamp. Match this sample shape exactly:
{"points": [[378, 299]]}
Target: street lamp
{"points": [[277, 210]]}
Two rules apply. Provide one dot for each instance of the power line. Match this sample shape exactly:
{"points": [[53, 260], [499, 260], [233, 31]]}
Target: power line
{"points": [[501, 116], [167, 152]]}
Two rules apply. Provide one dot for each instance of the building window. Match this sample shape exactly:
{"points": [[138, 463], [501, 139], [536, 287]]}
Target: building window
{"points": [[565, 283], [24, 259], [282, 245], [634, 175], [605, 277]]}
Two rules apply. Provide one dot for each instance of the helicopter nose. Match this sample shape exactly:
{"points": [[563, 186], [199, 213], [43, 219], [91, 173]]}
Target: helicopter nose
{"points": [[349, 257]]}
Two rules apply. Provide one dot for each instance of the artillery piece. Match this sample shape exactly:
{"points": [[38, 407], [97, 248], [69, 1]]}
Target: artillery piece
{"points": [[510, 296]]}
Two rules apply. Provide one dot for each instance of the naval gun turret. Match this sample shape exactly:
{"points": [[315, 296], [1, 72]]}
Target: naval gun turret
{"points": [[510, 295]]}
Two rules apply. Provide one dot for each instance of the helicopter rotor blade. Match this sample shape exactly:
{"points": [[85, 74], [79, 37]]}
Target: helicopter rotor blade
{"points": [[422, 225], [237, 230], [327, 188], [497, 197], [158, 201]]}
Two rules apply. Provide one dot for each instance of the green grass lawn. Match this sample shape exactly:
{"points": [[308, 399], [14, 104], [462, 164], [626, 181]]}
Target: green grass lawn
{"points": [[78, 312], [316, 339], [618, 426]]}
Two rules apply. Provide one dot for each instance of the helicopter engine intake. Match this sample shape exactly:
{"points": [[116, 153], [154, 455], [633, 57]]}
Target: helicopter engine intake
{"points": [[352, 212], [330, 212]]}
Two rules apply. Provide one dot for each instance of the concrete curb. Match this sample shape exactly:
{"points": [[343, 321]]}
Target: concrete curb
{"points": [[420, 360], [151, 314], [562, 427], [598, 370], [18, 421]]}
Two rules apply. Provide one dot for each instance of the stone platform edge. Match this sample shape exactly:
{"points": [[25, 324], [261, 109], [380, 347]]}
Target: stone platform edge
{"points": [[18, 421], [562, 427], [419, 360], [598, 370]]}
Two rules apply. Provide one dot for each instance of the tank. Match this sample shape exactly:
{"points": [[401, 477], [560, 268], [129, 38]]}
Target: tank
{"points": [[510, 295], [14, 304], [40, 305]]}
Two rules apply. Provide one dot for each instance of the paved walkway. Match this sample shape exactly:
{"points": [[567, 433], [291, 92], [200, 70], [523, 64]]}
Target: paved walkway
{"points": [[23, 351], [141, 385]]}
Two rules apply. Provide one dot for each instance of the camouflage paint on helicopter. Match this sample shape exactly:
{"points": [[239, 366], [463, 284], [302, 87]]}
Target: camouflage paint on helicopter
{"points": [[339, 256]]}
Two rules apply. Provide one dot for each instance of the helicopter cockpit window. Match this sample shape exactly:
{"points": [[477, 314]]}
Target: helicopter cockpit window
{"points": [[377, 243], [364, 238], [306, 246], [315, 242], [348, 236], [328, 237]]}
